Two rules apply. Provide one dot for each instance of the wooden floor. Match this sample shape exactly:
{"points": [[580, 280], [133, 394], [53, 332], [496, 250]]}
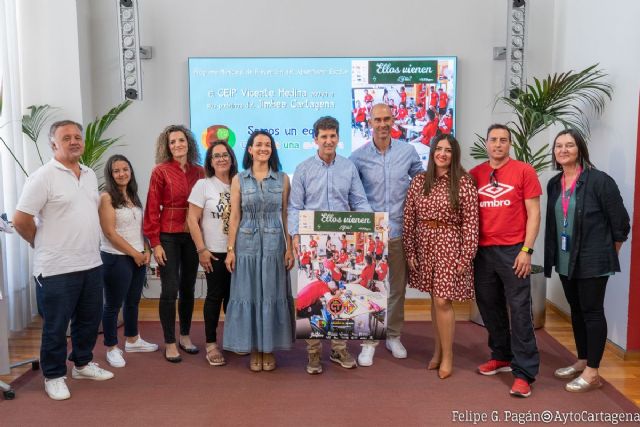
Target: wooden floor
{"points": [[623, 375]]}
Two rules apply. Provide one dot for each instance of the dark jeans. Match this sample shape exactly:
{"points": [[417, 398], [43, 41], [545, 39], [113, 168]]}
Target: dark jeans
{"points": [[586, 299], [496, 287], [218, 282], [178, 277], [75, 297], [123, 281]]}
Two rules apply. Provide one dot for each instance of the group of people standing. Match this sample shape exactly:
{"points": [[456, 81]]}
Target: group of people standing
{"points": [[457, 235]]}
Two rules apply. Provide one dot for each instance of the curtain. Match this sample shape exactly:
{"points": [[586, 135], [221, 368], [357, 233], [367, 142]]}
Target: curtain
{"points": [[18, 291]]}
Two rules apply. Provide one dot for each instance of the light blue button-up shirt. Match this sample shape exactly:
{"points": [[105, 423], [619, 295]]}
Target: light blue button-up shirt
{"points": [[386, 178], [317, 185]]}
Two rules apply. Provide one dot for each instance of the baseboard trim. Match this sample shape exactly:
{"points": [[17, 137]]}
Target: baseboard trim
{"points": [[611, 346]]}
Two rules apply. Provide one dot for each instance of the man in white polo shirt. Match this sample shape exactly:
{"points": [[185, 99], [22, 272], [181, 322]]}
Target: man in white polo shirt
{"points": [[63, 195]]}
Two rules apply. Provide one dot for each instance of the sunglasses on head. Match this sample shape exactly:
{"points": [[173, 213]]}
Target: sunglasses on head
{"points": [[492, 178]]}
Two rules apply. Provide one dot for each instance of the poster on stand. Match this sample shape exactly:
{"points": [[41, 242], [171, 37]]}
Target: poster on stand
{"points": [[342, 275]]}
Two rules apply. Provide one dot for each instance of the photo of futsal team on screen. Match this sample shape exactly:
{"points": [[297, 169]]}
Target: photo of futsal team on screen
{"points": [[421, 110], [342, 285]]}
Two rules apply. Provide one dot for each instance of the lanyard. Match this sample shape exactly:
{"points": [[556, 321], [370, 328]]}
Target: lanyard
{"points": [[567, 198]]}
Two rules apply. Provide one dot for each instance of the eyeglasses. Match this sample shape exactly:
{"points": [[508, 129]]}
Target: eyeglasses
{"points": [[221, 156], [492, 178]]}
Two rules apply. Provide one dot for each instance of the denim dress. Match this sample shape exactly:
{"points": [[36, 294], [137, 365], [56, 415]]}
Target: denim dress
{"points": [[260, 314]]}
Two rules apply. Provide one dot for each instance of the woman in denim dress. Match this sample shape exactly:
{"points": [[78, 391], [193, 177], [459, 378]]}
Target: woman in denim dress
{"points": [[259, 317]]}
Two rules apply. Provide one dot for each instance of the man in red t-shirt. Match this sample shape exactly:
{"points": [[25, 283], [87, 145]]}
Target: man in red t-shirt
{"points": [[359, 242], [402, 112], [446, 122], [367, 96], [330, 265], [443, 100], [382, 268], [367, 272], [433, 97], [313, 244], [308, 295], [403, 95], [371, 246], [344, 257], [509, 198], [429, 130], [360, 117], [305, 260], [379, 248]]}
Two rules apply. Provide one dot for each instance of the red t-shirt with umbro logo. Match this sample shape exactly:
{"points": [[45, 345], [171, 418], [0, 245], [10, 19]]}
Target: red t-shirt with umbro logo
{"points": [[501, 196]]}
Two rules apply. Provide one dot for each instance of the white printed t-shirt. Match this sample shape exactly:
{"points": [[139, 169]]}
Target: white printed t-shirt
{"points": [[214, 197]]}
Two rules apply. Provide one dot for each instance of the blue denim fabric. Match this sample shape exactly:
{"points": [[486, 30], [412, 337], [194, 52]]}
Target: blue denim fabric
{"points": [[123, 281], [75, 297]]}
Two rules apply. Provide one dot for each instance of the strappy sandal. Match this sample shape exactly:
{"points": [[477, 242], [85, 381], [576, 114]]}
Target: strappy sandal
{"points": [[255, 364], [214, 356], [268, 362]]}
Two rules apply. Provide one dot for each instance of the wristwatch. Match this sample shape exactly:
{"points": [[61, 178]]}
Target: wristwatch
{"points": [[229, 248], [527, 250]]}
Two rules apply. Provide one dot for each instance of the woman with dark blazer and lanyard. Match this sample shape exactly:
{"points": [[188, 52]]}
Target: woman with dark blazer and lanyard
{"points": [[586, 226]]}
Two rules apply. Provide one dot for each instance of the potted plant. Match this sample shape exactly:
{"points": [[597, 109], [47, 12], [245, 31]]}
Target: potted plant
{"points": [[565, 99], [95, 145]]}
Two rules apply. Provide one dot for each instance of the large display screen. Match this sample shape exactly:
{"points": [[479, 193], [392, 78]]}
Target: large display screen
{"points": [[232, 97]]}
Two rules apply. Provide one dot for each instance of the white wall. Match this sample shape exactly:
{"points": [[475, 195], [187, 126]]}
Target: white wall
{"points": [[587, 31], [49, 55]]}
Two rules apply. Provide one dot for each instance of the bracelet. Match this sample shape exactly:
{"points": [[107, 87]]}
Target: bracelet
{"points": [[199, 251]]}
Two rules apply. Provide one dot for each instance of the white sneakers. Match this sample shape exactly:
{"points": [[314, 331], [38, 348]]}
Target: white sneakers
{"points": [[114, 356], [365, 358], [91, 372], [140, 346], [115, 359], [394, 345], [56, 388]]}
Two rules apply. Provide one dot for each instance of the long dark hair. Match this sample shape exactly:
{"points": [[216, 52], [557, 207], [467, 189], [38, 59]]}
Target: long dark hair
{"points": [[583, 152], [117, 198], [274, 160], [208, 167], [456, 171]]}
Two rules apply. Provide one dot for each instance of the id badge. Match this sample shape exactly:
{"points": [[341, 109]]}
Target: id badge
{"points": [[564, 242]]}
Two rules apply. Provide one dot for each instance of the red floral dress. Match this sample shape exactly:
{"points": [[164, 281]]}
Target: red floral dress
{"points": [[439, 248]]}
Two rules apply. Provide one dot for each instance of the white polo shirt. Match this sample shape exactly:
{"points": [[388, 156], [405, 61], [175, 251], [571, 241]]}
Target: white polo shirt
{"points": [[68, 228]]}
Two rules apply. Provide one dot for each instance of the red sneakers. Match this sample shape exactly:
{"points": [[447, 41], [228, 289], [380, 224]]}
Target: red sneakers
{"points": [[493, 366], [520, 388]]}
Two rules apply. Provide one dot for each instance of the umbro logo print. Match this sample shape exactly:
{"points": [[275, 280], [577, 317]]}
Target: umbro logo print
{"points": [[494, 192]]}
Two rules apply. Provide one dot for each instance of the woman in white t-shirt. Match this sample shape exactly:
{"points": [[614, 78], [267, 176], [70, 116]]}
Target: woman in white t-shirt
{"points": [[125, 256], [208, 219]]}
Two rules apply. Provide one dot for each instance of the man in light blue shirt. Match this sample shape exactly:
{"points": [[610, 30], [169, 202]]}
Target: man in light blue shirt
{"points": [[386, 167], [326, 182]]}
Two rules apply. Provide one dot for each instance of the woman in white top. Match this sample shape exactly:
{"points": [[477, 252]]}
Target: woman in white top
{"points": [[125, 256], [208, 219]]}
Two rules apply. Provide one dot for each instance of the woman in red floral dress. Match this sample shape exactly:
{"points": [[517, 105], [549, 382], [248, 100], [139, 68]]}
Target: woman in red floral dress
{"points": [[440, 239]]}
